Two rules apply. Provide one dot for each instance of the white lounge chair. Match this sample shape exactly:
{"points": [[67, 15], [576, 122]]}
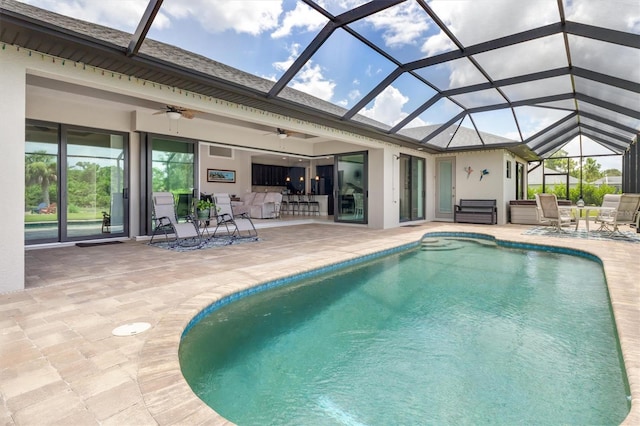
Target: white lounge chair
{"points": [[166, 221]]}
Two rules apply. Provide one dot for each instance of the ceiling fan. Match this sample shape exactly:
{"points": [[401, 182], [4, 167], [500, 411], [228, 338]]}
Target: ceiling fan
{"points": [[175, 112], [282, 133]]}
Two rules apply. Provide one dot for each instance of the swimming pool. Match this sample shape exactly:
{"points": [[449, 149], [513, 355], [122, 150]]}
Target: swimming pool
{"points": [[460, 333]]}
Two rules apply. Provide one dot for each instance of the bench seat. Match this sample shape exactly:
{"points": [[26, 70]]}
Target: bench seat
{"points": [[476, 211]]}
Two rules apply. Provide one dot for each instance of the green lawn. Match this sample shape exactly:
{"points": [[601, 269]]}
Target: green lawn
{"points": [[82, 215]]}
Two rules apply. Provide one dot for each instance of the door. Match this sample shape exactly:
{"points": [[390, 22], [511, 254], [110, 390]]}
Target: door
{"points": [[42, 150], [171, 167], [75, 183], [445, 188], [411, 188], [95, 193], [351, 192]]}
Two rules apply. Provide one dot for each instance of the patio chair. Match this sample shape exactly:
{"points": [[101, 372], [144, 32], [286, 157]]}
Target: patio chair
{"points": [[626, 213], [235, 225], [610, 203], [549, 213], [166, 221]]}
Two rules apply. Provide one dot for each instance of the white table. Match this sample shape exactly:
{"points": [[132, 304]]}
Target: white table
{"points": [[586, 210]]}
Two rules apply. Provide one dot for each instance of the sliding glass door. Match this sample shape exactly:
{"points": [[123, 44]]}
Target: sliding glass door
{"points": [[411, 188], [75, 183], [95, 184], [170, 165], [350, 203], [42, 150]]}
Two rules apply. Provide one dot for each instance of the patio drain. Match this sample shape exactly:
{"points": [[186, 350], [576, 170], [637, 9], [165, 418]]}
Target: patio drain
{"points": [[131, 329]]}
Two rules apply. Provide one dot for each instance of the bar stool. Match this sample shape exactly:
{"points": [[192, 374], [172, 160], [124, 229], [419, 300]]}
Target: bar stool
{"points": [[293, 204], [303, 202], [284, 204], [314, 205]]}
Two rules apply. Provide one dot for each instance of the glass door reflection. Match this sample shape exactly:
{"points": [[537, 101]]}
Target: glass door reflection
{"points": [[95, 184], [351, 192], [173, 170], [41, 183]]}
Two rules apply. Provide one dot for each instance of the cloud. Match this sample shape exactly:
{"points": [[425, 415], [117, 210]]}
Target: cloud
{"points": [[310, 78], [301, 17], [294, 51], [401, 25], [354, 94], [602, 14], [387, 107], [250, 17], [437, 44], [125, 16]]}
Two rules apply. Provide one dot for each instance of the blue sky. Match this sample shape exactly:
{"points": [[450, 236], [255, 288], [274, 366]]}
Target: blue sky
{"points": [[264, 37]]}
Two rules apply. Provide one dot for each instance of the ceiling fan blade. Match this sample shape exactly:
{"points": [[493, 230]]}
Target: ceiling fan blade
{"points": [[160, 112], [187, 113]]}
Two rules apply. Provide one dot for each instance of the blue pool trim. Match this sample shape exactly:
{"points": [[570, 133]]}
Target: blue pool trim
{"points": [[294, 278], [523, 246], [366, 258]]}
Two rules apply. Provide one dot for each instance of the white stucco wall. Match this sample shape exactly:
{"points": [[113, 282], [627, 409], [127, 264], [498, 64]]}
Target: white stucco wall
{"points": [[241, 163], [430, 197], [491, 186], [377, 197], [12, 111]]}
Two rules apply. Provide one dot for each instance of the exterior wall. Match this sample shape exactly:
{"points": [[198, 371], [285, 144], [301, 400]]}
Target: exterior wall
{"points": [[430, 197], [33, 88], [509, 189], [12, 111], [378, 197], [241, 163], [393, 182], [491, 186]]}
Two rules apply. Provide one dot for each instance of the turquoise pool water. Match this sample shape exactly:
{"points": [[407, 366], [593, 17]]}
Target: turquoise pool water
{"points": [[458, 333]]}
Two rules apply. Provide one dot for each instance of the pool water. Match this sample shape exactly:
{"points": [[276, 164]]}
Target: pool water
{"points": [[457, 333]]}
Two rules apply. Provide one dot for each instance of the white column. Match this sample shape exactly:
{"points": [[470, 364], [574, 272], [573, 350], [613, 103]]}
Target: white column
{"points": [[12, 124]]}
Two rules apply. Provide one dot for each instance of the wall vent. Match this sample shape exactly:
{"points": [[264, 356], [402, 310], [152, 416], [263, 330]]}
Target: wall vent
{"points": [[219, 151]]}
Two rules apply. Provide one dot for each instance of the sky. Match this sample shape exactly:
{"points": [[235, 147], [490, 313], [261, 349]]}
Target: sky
{"points": [[264, 37]]}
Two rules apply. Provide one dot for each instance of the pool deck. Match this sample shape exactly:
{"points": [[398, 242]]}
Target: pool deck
{"points": [[60, 363]]}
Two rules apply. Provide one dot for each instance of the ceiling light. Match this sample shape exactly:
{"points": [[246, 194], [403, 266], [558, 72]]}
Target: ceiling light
{"points": [[174, 115], [282, 135]]}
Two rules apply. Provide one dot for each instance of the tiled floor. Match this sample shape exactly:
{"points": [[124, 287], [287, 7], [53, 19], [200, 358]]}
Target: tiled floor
{"points": [[60, 363]]}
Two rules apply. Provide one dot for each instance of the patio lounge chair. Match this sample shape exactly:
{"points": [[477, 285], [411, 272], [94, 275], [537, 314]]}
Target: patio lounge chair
{"points": [[235, 225], [550, 213], [625, 213], [166, 221]]}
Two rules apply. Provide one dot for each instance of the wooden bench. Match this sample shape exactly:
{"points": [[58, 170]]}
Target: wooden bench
{"points": [[476, 211]]}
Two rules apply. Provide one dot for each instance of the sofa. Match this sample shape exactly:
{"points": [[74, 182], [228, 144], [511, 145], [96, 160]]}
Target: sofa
{"points": [[259, 205]]}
